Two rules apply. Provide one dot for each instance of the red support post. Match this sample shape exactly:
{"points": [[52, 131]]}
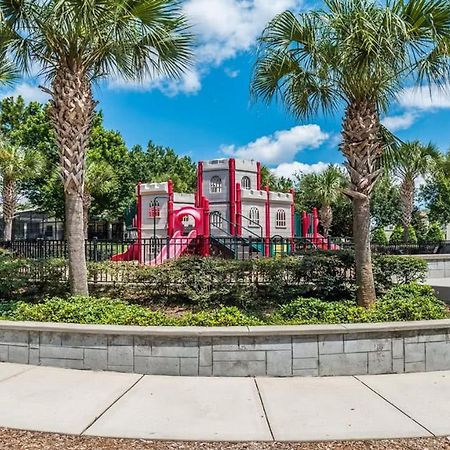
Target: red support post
{"points": [[258, 176], [238, 209], [267, 238], [292, 191], [170, 218], [315, 223], [139, 221], [232, 199], [199, 195], [305, 224], [206, 230]]}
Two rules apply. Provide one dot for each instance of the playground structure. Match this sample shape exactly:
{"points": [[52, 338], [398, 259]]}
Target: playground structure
{"points": [[230, 212]]}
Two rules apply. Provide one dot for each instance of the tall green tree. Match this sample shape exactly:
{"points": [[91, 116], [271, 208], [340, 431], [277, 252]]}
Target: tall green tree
{"points": [[435, 193], [275, 183], [16, 165], [356, 55], [100, 180], [385, 201], [324, 189], [77, 42], [409, 162], [157, 163]]}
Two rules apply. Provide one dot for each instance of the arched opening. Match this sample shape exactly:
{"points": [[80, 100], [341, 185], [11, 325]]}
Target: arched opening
{"points": [[253, 217], [217, 219], [246, 183], [215, 185], [280, 221], [154, 209]]}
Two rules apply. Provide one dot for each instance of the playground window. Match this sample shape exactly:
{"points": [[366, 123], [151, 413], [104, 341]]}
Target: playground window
{"points": [[154, 210], [217, 219], [280, 219], [215, 185], [253, 217], [246, 183]]}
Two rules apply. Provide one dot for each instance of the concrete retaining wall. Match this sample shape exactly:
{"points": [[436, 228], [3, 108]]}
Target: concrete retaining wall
{"points": [[236, 351], [438, 265]]}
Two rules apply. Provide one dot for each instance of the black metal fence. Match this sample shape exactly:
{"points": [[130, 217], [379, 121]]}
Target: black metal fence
{"points": [[157, 250], [154, 251]]}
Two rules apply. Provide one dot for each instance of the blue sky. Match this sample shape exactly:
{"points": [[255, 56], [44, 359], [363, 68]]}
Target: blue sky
{"points": [[208, 113]]}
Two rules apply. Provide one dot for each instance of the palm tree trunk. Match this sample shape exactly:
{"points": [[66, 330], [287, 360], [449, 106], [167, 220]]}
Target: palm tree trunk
{"points": [[362, 148], [72, 110], [326, 218], [87, 201], [407, 199], [9, 195]]}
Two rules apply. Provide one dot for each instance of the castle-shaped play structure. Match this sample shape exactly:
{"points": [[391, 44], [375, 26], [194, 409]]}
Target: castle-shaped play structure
{"points": [[230, 213]]}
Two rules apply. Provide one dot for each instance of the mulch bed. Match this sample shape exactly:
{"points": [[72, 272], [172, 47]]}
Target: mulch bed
{"points": [[27, 440]]}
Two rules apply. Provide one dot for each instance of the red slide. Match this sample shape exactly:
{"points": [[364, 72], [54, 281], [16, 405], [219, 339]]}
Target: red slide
{"points": [[176, 246], [131, 254]]}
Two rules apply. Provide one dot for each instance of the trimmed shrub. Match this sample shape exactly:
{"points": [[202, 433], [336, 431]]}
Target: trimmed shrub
{"points": [[89, 310], [435, 234], [412, 237], [409, 302], [210, 282], [390, 270], [402, 303], [379, 237], [396, 236]]}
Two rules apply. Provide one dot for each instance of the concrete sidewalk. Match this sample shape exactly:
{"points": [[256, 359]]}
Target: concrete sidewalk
{"points": [[224, 409]]}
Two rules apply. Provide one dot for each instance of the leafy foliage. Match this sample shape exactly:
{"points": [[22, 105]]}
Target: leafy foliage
{"points": [[435, 233], [396, 236], [402, 303], [385, 201], [379, 236]]}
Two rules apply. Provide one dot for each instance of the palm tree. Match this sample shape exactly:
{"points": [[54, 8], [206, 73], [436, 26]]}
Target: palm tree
{"points": [[16, 164], [75, 43], [324, 188], [411, 161], [356, 55]]}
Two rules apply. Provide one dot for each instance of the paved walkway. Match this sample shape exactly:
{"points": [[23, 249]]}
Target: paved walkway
{"points": [[229, 409]]}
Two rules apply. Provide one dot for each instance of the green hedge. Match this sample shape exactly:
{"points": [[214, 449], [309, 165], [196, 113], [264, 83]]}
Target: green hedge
{"points": [[402, 303], [208, 282]]}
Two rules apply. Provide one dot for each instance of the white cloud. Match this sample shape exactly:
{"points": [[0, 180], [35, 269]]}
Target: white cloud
{"points": [[223, 29], [226, 27], [399, 122], [27, 91], [424, 98], [288, 170], [280, 147], [231, 73], [189, 83]]}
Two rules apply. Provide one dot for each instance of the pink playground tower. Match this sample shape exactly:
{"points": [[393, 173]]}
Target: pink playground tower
{"points": [[229, 206]]}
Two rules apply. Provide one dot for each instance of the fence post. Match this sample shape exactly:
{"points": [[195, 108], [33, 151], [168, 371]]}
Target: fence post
{"points": [[95, 249]]}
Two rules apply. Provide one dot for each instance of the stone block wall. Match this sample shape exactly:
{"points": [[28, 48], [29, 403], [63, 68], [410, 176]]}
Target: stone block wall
{"points": [[254, 351]]}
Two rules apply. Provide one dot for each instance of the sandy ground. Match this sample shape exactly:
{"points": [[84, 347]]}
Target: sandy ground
{"points": [[27, 440]]}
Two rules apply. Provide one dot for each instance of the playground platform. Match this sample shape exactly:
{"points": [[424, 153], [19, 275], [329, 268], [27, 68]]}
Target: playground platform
{"points": [[224, 409]]}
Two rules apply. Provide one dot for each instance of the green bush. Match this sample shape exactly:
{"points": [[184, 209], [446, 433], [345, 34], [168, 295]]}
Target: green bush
{"points": [[412, 237], [87, 310], [223, 317], [435, 234], [409, 302], [379, 237], [396, 236], [390, 270], [210, 282], [402, 303]]}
